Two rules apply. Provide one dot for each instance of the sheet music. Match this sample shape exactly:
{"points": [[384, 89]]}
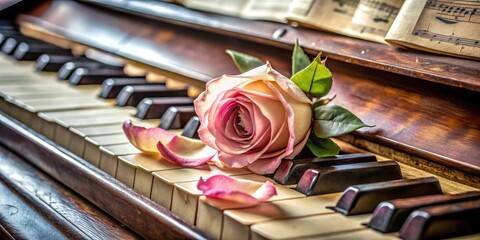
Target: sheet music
{"points": [[442, 26], [226, 7], [375, 17], [366, 19], [274, 10]]}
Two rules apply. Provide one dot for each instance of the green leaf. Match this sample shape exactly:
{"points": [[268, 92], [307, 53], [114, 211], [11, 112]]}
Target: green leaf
{"points": [[244, 61], [316, 79], [334, 121], [300, 60], [322, 147]]}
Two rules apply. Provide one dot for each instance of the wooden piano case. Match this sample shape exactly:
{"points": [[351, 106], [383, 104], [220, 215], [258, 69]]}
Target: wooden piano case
{"points": [[425, 106]]}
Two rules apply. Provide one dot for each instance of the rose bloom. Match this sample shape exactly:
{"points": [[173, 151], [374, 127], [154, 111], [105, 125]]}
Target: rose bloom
{"points": [[254, 119]]}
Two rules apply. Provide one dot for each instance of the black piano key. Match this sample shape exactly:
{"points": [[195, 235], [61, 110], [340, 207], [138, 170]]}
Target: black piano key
{"points": [[338, 177], [150, 108], [364, 198], [191, 128], [4, 35], [12, 43], [389, 216], [176, 117], [68, 68], [53, 62], [85, 76], [112, 86], [290, 171], [31, 51], [443, 221], [132, 95]]}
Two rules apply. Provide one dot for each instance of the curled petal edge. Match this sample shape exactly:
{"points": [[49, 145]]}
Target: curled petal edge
{"points": [[185, 152], [146, 139], [246, 192], [179, 150]]}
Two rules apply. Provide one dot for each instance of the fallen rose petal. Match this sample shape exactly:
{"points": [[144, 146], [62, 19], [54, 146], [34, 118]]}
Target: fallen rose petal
{"points": [[146, 139], [186, 152], [236, 190]]}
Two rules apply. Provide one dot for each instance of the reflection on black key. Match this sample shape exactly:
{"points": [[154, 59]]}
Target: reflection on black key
{"points": [[389, 216], [443, 221], [53, 62], [85, 76], [112, 86], [150, 108], [176, 117], [31, 51], [364, 198], [4, 35], [68, 68], [191, 128], [290, 171], [132, 95], [12, 43], [337, 178]]}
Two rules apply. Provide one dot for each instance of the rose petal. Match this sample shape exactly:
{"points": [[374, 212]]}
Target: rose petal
{"points": [[265, 166], [236, 190], [186, 152], [146, 139], [299, 147]]}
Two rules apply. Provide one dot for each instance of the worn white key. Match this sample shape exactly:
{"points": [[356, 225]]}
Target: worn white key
{"points": [[44, 122], [365, 234], [163, 182], [210, 215], [27, 111], [93, 144], [143, 174], [109, 156], [313, 226], [136, 170], [63, 134], [77, 141], [186, 194], [237, 222]]}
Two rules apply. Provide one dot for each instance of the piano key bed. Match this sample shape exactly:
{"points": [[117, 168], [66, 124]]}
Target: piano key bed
{"points": [[353, 196]]}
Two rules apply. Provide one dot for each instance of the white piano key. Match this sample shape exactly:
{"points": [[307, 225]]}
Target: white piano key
{"points": [[210, 215], [237, 222], [163, 183], [312, 226]]}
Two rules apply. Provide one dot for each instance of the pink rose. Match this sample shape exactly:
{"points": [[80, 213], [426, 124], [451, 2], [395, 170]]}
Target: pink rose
{"points": [[254, 119]]}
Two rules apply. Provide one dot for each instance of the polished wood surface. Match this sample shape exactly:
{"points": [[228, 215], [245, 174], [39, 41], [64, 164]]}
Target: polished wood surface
{"points": [[413, 114], [35, 206]]}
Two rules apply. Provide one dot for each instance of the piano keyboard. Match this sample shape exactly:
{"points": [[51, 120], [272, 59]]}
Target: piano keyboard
{"points": [[71, 115]]}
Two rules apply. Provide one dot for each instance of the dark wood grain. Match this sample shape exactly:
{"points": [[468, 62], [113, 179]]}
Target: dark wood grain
{"points": [[139, 213], [19, 221], [456, 72], [69, 208], [431, 121]]}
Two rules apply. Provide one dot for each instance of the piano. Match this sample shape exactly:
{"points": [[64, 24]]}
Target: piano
{"points": [[72, 71]]}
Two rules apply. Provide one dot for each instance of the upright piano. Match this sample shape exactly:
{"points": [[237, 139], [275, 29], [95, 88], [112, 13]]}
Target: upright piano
{"points": [[72, 71]]}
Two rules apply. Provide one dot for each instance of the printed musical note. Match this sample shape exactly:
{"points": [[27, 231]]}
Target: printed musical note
{"points": [[452, 22], [346, 7], [448, 39], [375, 16]]}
